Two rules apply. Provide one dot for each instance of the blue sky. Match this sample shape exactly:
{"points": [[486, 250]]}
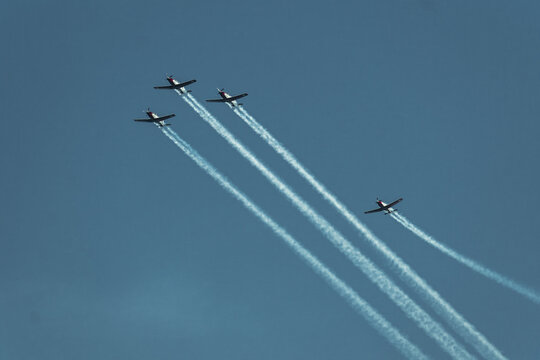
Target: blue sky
{"points": [[114, 245]]}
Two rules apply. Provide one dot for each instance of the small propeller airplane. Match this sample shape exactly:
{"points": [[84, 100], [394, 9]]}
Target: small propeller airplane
{"points": [[226, 98], [387, 208], [153, 118], [175, 85]]}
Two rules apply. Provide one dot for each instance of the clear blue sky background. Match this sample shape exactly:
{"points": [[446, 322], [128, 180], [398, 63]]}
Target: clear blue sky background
{"points": [[114, 245]]}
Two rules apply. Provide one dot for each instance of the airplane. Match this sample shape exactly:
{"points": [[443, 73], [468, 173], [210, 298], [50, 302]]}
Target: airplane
{"points": [[226, 98], [175, 85], [153, 118], [387, 208]]}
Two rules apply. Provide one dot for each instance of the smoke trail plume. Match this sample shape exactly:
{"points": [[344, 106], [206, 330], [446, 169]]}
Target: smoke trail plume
{"points": [[377, 276], [407, 274], [376, 320], [490, 274]]}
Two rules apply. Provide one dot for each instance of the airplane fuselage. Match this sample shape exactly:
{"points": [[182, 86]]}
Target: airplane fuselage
{"points": [[173, 82], [226, 96], [153, 116], [382, 205]]}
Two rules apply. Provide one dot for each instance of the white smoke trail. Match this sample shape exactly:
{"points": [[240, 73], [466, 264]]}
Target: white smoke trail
{"points": [[501, 279], [377, 276], [411, 278], [355, 301]]}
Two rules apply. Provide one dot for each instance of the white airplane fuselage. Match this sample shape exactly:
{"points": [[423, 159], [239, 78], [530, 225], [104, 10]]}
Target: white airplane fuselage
{"points": [[225, 95], [151, 115], [382, 204], [173, 82]]}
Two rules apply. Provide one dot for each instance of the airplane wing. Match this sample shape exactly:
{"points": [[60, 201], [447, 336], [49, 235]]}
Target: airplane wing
{"points": [[165, 117], [187, 83], [165, 87], [393, 203], [172, 87], [229, 99], [145, 120], [232, 98], [374, 210]]}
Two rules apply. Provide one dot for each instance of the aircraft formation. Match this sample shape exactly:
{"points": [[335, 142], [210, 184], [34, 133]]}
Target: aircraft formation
{"points": [[412, 279], [226, 98]]}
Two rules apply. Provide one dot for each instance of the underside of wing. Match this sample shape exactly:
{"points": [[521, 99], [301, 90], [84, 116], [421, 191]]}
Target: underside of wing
{"points": [[372, 211], [232, 98], [145, 120], [394, 203], [217, 100], [165, 117], [177, 86], [187, 83]]}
